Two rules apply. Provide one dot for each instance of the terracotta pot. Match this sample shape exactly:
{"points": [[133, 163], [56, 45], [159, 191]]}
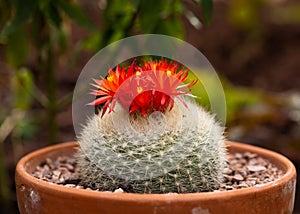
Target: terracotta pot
{"points": [[37, 196]]}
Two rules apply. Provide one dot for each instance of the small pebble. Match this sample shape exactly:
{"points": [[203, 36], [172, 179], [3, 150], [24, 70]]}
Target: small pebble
{"points": [[256, 168], [229, 187], [47, 173], [250, 155], [237, 177], [227, 171], [69, 167], [238, 155], [250, 183], [119, 190], [56, 173]]}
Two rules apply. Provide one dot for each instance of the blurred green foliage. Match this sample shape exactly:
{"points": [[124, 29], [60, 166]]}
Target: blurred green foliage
{"points": [[246, 14], [287, 15], [22, 89], [236, 97], [40, 26], [125, 18], [38, 31], [20, 12], [37, 26]]}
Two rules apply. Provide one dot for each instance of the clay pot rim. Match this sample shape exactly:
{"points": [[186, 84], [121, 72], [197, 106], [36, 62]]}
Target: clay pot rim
{"points": [[50, 188]]}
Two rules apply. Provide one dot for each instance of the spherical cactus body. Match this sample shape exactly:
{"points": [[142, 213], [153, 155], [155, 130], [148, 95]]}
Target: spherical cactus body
{"points": [[180, 150]]}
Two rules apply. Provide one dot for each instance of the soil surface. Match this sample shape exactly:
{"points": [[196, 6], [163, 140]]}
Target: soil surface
{"points": [[244, 170]]}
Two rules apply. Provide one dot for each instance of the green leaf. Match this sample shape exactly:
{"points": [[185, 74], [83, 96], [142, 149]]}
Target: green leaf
{"points": [[135, 3], [52, 14], [92, 42], [26, 128], [16, 48], [22, 85], [24, 10], [76, 14], [166, 19], [150, 16], [207, 6], [62, 39], [172, 27], [245, 14]]}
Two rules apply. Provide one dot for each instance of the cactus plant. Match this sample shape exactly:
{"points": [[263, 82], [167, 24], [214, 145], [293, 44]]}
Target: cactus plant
{"points": [[150, 137]]}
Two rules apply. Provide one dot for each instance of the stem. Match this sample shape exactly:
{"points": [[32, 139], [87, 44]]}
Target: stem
{"points": [[51, 92]]}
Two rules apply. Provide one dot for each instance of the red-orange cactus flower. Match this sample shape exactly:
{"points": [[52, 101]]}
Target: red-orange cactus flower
{"points": [[146, 88], [107, 87]]}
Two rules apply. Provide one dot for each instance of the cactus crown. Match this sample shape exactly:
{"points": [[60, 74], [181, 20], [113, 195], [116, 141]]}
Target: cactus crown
{"points": [[150, 137]]}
